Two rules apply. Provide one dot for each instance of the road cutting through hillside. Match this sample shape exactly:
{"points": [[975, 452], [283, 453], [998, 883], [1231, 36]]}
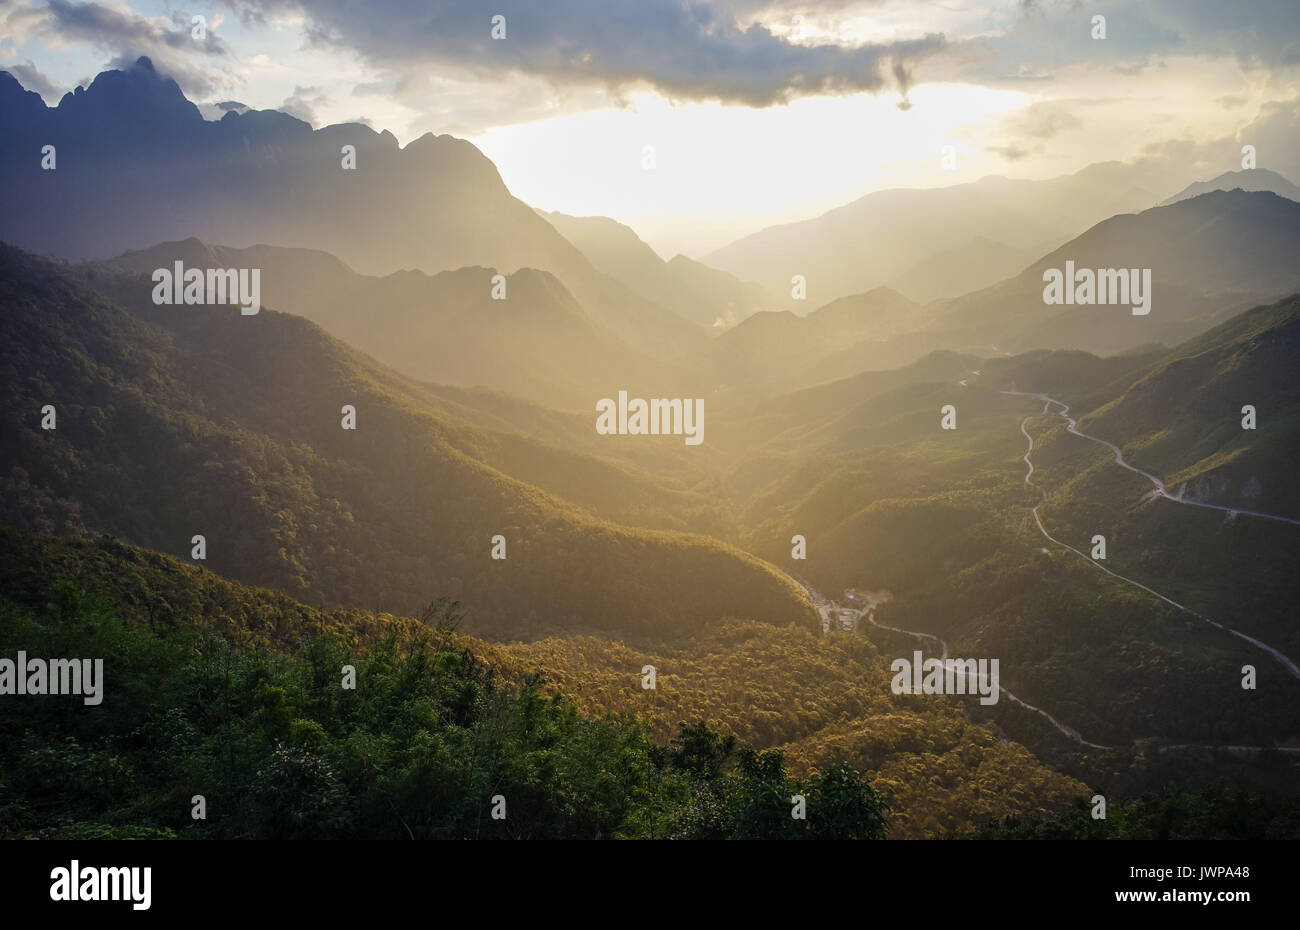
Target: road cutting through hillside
{"points": [[825, 606], [1048, 402], [1160, 489]]}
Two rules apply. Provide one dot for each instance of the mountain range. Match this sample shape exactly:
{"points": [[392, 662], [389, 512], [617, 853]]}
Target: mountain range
{"points": [[136, 164], [409, 417], [882, 236], [242, 425]]}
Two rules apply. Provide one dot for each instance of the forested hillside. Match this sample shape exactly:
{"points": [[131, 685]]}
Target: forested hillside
{"points": [[243, 688], [177, 421], [237, 697], [943, 519]]}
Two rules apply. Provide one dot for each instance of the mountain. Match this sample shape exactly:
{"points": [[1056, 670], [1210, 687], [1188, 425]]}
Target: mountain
{"points": [[537, 342], [881, 237], [945, 521], [177, 421], [966, 268], [137, 164], [695, 291], [776, 351], [1183, 419], [1210, 257], [231, 677], [1254, 179]]}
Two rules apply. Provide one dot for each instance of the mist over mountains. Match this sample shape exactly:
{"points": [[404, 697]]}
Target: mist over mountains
{"points": [[702, 294], [881, 237], [887, 465], [141, 166]]}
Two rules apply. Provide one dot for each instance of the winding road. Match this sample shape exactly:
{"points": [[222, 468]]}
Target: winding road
{"points": [[869, 612], [1159, 486], [1160, 491], [827, 607]]}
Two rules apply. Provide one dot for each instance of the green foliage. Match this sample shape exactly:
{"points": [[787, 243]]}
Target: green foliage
{"points": [[756, 798], [1220, 813], [430, 736], [240, 425]]}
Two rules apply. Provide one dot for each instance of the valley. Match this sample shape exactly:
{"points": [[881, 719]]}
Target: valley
{"points": [[381, 492]]}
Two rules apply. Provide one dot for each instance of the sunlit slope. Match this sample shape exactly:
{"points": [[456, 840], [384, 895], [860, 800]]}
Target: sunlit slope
{"points": [[692, 290], [1183, 420], [161, 172], [523, 333], [887, 499], [1209, 258], [176, 421]]}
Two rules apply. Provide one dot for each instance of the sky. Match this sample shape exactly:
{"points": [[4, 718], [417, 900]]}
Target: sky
{"points": [[697, 123]]}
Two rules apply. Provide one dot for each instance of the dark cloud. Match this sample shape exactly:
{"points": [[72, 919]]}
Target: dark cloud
{"points": [[1053, 34], [169, 43], [687, 50], [105, 26]]}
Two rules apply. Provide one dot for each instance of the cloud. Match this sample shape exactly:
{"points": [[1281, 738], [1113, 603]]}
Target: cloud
{"points": [[1011, 152], [31, 78], [1043, 120], [1049, 35], [170, 42], [303, 103], [1027, 131], [105, 26], [1273, 131], [685, 49]]}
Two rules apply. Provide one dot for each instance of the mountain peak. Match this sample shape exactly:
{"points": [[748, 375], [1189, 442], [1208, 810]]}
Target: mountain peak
{"points": [[1251, 179], [17, 104], [137, 96]]}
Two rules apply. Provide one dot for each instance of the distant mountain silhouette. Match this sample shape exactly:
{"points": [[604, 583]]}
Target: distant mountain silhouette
{"points": [[137, 164], [712, 298], [538, 343], [1255, 179], [880, 237], [778, 351], [966, 268], [174, 421], [1210, 257]]}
